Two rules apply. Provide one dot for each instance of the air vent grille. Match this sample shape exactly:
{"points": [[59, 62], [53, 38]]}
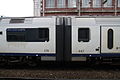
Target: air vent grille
{"points": [[17, 20]]}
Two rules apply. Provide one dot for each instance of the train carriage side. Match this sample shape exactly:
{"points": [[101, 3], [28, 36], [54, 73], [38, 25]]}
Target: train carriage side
{"points": [[28, 37], [59, 38], [96, 38], [85, 38]]}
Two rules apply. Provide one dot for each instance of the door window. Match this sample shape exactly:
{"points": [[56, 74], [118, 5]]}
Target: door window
{"points": [[110, 39]]}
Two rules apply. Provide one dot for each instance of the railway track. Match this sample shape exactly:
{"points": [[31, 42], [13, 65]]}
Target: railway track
{"points": [[56, 65], [33, 79], [65, 71], [6, 78], [36, 79]]}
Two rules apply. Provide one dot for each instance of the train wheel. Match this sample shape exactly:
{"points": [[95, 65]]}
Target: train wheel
{"points": [[32, 61]]}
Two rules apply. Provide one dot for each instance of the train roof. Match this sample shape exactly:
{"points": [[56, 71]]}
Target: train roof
{"points": [[27, 17], [63, 16], [26, 20], [84, 19]]}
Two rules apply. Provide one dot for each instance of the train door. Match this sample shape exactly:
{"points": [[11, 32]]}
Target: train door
{"points": [[110, 40], [85, 37]]}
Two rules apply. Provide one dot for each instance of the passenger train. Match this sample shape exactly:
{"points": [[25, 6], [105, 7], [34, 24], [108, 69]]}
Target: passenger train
{"points": [[61, 39]]}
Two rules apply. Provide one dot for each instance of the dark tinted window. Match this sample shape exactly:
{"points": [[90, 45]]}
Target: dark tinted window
{"points": [[0, 33], [44, 34], [83, 34], [110, 38], [28, 35], [17, 35]]}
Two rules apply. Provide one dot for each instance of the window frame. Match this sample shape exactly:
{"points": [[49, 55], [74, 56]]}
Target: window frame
{"points": [[96, 5], [86, 4], [61, 5], [107, 4], [118, 3], [50, 5], [74, 4]]}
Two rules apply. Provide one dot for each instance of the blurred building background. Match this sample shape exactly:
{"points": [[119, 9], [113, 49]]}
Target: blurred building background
{"points": [[77, 7]]}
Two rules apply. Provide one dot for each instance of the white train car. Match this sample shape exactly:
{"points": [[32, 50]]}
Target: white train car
{"points": [[28, 37], [95, 37], [61, 39]]}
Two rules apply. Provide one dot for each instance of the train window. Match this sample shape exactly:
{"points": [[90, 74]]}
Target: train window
{"points": [[31, 35], [83, 34], [15, 35], [0, 33], [17, 20], [110, 39], [38, 34], [50, 3], [44, 34], [28, 35]]}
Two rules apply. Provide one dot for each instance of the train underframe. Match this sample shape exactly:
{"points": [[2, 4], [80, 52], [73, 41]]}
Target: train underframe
{"points": [[34, 60]]}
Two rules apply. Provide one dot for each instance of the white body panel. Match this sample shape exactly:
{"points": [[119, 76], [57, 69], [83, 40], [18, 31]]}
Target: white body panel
{"points": [[97, 43], [94, 42], [29, 47]]}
